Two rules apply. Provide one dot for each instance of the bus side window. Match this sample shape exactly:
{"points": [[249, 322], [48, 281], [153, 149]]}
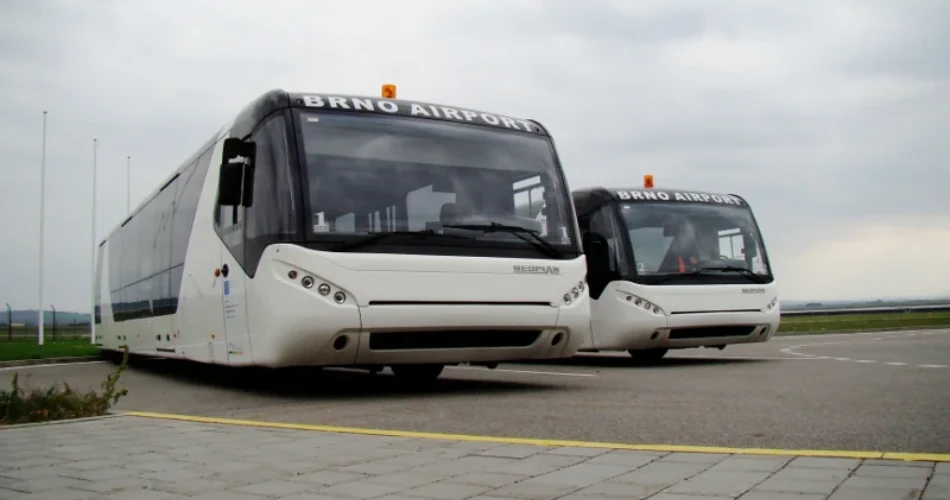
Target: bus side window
{"points": [[272, 216]]}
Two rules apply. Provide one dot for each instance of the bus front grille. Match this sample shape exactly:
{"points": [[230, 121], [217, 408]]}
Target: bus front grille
{"points": [[451, 339]]}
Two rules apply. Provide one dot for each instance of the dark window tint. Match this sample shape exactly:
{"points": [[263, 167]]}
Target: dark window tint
{"points": [[379, 174], [147, 253], [272, 216], [186, 206], [604, 224], [672, 241]]}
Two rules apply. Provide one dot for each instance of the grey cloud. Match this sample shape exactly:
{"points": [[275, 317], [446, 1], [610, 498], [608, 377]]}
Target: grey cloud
{"points": [[795, 131], [912, 42]]}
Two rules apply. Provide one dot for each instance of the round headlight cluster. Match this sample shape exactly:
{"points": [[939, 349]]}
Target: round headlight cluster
{"points": [[574, 293], [323, 288], [637, 301]]}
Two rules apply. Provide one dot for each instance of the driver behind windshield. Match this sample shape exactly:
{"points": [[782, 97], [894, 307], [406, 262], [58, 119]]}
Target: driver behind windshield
{"points": [[683, 251]]}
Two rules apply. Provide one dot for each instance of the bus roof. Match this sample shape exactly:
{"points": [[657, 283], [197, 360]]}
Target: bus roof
{"points": [[589, 199], [276, 99]]}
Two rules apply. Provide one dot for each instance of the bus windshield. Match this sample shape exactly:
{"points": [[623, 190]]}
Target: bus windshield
{"points": [[704, 242], [368, 175]]}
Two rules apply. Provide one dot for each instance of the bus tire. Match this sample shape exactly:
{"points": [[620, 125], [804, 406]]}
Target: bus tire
{"points": [[418, 373], [648, 355]]}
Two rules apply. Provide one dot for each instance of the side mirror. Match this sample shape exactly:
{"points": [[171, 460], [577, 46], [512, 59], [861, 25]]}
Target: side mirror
{"points": [[236, 183], [597, 256]]}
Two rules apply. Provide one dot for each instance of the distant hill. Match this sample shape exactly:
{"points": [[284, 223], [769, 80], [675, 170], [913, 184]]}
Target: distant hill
{"points": [[874, 302], [28, 317]]}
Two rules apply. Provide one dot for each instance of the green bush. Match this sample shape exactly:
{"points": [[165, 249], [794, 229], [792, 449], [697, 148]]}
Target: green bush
{"points": [[58, 403]]}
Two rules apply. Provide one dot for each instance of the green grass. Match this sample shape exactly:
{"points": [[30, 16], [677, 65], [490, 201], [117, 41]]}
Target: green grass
{"points": [[28, 349], [835, 323], [21, 405]]}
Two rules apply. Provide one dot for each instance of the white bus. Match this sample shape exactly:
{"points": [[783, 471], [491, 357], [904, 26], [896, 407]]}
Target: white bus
{"points": [[334, 230], [672, 269]]}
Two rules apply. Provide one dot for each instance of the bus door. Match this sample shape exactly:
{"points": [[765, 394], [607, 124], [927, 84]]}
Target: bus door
{"points": [[235, 343]]}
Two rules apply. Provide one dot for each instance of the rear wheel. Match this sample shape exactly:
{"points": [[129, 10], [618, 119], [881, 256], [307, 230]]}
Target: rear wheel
{"points": [[418, 373], [114, 357], [648, 355]]}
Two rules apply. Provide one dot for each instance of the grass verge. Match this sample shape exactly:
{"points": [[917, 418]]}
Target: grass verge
{"points": [[849, 323], [24, 406], [15, 350]]}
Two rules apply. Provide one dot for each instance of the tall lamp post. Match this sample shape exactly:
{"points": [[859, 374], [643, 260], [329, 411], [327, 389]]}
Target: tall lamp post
{"points": [[9, 322], [92, 312], [53, 308], [42, 222]]}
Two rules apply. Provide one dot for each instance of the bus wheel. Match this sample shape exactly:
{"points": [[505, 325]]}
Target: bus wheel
{"points": [[114, 357], [648, 355], [417, 373]]}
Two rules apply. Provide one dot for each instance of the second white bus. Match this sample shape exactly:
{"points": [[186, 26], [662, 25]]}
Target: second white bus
{"points": [[674, 269]]}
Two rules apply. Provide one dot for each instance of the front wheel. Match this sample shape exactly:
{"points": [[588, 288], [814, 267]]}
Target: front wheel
{"points": [[648, 355], [418, 373]]}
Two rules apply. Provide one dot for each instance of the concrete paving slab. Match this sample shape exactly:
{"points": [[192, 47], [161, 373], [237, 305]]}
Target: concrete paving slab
{"points": [[140, 458]]}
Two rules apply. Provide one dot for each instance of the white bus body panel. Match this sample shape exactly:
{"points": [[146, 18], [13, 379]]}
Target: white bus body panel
{"points": [[293, 325], [617, 323], [271, 320]]}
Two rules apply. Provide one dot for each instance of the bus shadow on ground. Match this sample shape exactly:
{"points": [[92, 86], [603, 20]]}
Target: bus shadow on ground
{"points": [[670, 361], [335, 383]]}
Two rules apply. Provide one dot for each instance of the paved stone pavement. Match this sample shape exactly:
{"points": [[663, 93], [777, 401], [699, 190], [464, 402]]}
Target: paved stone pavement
{"points": [[135, 458]]}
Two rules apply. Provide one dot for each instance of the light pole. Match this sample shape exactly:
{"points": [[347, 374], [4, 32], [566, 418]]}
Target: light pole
{"points": [[53, 308], [128, 186], [42, 222], [92, 312], [9, 321]]}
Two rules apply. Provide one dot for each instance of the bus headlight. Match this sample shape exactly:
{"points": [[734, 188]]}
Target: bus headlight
{"points": [[574, 293], [645, 304], [320, 287]]}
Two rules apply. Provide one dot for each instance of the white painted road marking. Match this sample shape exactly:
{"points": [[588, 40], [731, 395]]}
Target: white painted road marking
{"points": [[744, 358], [48, 365], [792, 350]]}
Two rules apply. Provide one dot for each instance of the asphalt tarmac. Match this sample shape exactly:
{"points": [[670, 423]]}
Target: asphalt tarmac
{"points": [[885, 391]]}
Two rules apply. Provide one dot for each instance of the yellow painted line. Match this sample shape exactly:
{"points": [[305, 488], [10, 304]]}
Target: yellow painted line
{"points": [[912, 457]]}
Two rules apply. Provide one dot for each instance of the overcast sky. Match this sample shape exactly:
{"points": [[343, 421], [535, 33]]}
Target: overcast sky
{"points": [[830, 117]]}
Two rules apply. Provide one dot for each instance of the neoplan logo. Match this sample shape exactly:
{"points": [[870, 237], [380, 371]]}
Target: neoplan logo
{"points": [[537, 269], [753, 290]]}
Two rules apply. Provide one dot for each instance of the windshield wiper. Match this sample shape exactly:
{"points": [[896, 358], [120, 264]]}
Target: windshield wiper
{"points": [[744, 271], [535, 240], [375, 237]]}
